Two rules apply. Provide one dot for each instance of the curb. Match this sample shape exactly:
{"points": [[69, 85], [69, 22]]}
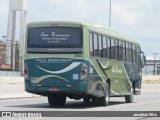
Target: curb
{"points": [[18, 96]]}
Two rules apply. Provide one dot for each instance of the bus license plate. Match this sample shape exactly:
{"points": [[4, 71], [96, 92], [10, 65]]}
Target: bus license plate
{"points": [[53, 89]]}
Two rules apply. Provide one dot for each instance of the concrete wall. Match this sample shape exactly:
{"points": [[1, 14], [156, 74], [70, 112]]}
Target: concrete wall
{"points": [[151, 77], [20, 80], [13, 87], [11, 80], [7, 73]]}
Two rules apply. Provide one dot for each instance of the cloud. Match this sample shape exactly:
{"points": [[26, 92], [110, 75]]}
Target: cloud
{"points": [[128, 17], [68, 10], [4, 6], [136, 18]]}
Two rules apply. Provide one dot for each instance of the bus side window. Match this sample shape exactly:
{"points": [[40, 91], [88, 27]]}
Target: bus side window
{"points": [[127, 52], [91, 44], [131, 53], [112, 49], [134, 53], [116, 50], [124, 51], [109, 48], [138, 55], [104, 47], [100, 46], [95, 38], [120, 51]]}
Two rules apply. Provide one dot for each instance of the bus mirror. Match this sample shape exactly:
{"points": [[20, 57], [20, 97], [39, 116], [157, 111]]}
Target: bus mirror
{"points": [[143, 59]]}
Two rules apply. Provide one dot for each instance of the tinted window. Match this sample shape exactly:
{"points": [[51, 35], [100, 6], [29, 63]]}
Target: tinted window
{"points": [[131, 55], [127, 52], [91, 44], [124, 51], [120, 50], [112, 48], [104, 47], [108, 47], [134, 53], [100, 45], [116, 50], [95, 39], [52, 37]]}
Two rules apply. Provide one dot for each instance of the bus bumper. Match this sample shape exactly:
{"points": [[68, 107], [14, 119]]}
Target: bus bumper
{"points": [[81, 87]]}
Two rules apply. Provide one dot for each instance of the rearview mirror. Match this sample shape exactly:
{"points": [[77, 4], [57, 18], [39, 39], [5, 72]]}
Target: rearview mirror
{"points": [[143, 59]]}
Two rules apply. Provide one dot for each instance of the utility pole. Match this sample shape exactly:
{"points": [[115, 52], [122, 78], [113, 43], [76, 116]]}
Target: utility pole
{"points": [[110, 5], [14, 7], [155, 56]]}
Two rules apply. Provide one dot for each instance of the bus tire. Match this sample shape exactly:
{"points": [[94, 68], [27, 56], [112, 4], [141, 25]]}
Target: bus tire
{"points": [[61, 100], [104, 101], [52, 100], [86, 99], [95, 101], [129, 98]]}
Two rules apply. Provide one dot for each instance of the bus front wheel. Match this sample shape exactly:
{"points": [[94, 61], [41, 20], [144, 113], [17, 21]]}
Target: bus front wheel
{"points": [[129, 98]]}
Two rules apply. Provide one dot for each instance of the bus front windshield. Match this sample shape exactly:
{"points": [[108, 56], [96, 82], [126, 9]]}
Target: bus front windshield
{"points": [[54, 39]]}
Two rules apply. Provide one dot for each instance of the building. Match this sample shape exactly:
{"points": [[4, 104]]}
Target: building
{"points": [[2, 52], [3, 65]]}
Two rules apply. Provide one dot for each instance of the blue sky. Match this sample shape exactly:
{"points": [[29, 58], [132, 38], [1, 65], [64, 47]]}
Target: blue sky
{"points": [[139, 19]]}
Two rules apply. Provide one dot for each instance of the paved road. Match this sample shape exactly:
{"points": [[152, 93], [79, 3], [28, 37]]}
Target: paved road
{"points": [[148, 101]]}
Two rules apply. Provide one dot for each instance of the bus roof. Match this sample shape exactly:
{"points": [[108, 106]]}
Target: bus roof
{"points": [[92, 27]]}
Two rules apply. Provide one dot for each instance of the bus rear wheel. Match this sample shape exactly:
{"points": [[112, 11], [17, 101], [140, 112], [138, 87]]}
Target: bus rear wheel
{"points": [[56, 100], [104, 101], [86, 99], [52, 100], [95, 101], [62, 100], [129, 98]]}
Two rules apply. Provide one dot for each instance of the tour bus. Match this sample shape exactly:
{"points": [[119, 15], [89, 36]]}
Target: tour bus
{"points": [[81, 61]]}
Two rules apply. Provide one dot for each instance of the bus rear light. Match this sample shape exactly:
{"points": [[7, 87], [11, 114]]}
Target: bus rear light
{"points": [[84, 72], [25, 71]]}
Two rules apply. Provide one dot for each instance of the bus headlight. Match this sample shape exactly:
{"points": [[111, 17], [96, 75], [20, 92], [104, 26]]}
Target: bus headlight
{"points": [[84, 72]]}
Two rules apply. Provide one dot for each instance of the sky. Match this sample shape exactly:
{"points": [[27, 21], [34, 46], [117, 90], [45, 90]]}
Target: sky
{"points": [[139, 19]]}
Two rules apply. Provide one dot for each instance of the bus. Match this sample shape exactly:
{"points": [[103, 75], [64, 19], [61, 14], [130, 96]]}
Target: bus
{"points": [[81, 61]]}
